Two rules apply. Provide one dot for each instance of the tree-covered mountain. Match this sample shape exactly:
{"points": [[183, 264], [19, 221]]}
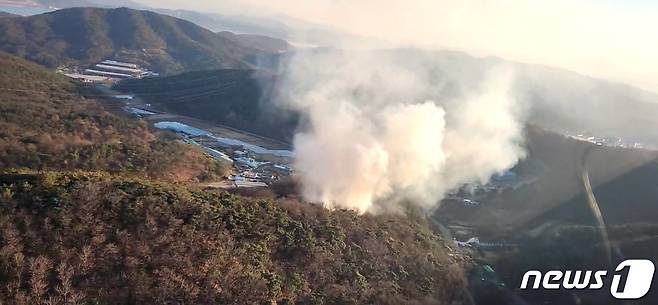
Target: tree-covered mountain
{"points": [[86, 238], [84, 36], [89, 214], [46, 125]]}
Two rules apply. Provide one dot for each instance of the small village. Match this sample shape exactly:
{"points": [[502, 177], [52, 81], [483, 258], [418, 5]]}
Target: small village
{"points": [[253, 165]]}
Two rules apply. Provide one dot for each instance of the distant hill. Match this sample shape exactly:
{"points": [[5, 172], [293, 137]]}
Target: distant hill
{"points": [[83, 36], [280, 26], [621, 178], [237, 98], [7, 15], [566, 233], [549, 223], [92, 3], [258, 42], [553, 99], [46, 125], [79, 3]]}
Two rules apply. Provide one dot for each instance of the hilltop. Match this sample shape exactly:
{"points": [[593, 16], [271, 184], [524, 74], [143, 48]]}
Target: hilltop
{"points": [[83, 36]]}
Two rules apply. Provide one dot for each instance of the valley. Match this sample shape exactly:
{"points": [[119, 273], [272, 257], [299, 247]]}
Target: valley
{"points": [[256, 161]]}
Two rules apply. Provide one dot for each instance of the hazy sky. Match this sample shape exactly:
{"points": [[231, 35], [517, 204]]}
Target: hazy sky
{"points": [[603, 38]]}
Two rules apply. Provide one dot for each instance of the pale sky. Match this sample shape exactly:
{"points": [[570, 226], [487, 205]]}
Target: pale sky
{"points": [[608, 39]]}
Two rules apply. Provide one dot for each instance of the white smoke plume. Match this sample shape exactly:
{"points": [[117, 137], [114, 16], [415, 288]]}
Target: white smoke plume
{"points": [[373, 138]]}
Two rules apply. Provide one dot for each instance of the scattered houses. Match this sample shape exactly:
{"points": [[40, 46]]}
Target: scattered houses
{"points": [[254, 166]]}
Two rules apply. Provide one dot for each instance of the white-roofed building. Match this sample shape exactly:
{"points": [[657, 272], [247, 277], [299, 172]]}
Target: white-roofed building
{"points": [[108, 74], [120, 64], [131, 71]]}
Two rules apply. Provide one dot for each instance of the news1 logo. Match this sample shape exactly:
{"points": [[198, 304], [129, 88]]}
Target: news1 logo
{"points": [[631, 280]]}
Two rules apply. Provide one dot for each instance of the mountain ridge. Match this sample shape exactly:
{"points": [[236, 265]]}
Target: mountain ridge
{"points": [[7, 15], [84, 36]]}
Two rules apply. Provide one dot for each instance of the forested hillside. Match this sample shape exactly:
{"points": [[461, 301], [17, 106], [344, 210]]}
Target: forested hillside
{"points": [[84, 36], [95, 239], [46, 125], [89, 215]]}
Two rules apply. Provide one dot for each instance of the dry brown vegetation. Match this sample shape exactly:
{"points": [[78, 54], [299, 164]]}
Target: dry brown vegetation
{"points": [[94, 220], [85, 238], [45, 125]]}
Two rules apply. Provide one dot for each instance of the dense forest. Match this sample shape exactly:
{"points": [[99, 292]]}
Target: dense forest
{"points": [[85, 238], [95, 209], [46, 125]]}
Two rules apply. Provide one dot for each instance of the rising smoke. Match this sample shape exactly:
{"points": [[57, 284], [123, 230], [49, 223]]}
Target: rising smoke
{"points": [[378, 133]]}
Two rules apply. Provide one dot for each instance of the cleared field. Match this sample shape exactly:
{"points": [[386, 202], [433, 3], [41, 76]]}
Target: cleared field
{"points": [[222, 131]]}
